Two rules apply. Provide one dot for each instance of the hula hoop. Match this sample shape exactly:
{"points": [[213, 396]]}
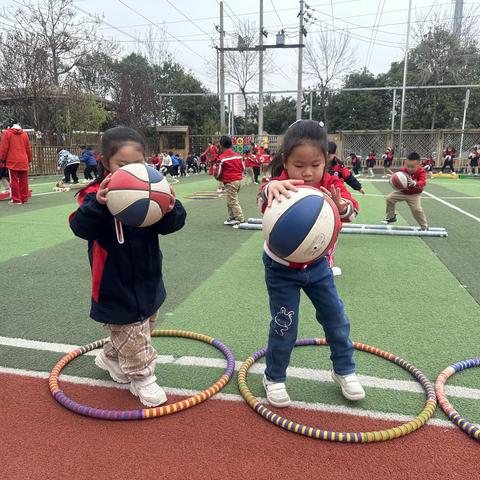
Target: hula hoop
{"points": [[143, 413], [469, 428], [346, 437]]}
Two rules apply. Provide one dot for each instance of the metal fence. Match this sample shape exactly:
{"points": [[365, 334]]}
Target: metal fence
{"points": [[424, 142], [361, 142]]}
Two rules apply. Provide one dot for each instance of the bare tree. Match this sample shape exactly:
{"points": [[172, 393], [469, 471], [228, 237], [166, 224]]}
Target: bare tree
{"points": [[66, 36], [328, 57], [241, 67]]}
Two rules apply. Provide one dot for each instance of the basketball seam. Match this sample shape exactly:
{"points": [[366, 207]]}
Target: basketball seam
{"points": [[283, 214]]}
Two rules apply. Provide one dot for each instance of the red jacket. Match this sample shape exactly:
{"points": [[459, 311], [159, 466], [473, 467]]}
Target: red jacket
{"points": [[15, 149], [250, 160], [327, 182], [265, 159], [420, 176], [230, 168]]}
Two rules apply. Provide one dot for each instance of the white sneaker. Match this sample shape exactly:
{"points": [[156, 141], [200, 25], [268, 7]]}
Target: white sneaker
{"points": [[351, 387], [277, 394], [148, 391], [219, 190], [337, 271], [112, 367], [231, 222]]}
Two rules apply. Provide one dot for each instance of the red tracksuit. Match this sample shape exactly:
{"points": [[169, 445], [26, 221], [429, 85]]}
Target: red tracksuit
{"points": [[230, 167], [211, 152], [16, 150], [420, 176]]}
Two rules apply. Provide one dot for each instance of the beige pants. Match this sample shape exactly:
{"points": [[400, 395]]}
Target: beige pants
{"points": [[131, 346], [233, 204], [249, 174], [414, 202]]}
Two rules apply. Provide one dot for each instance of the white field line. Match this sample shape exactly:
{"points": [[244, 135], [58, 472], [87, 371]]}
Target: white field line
{"points": [[319, 407], [310, 374], [454, 207]]}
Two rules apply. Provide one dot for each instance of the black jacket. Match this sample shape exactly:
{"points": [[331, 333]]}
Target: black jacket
{"points": [[127, 284]]}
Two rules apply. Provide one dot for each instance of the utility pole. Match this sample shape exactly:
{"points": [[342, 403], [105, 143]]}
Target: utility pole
{"points": [[222, 73], [458, 17], [405, 63], [300, 62], [260, 73]]}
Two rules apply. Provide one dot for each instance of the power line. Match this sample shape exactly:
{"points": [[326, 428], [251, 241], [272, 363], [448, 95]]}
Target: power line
{"points": [[163, 30], [372, 32], [376, 33], [278, 16], [190, 20]]}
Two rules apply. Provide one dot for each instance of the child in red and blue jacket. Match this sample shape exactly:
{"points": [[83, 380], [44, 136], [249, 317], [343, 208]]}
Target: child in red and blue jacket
{"points": [[302, 161]]}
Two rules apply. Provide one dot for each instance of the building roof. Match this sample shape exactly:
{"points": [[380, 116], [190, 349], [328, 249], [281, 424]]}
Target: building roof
{"points": [[173, 128]]}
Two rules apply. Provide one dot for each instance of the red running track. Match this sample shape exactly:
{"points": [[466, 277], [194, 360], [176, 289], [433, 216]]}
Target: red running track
{"points": [[216, 440]]}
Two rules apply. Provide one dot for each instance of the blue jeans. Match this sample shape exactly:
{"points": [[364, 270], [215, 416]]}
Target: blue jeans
{"points": [[284, 285]]}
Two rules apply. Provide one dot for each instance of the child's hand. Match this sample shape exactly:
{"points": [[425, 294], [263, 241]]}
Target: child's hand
{"points": [[362, 191], [336, 196], [103, 190], [172, 203], [277, 188], [411, 182]]}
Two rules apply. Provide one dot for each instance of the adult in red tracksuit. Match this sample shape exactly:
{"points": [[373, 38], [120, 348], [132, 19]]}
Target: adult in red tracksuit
{"points": [[417, 179], [230, 173], [16, 152]]}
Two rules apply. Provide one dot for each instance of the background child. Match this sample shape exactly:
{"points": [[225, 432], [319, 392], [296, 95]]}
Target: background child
{"points": [[90, 172], [69, 163], [371, 161], [356, 164], [412, 195], [302, 160], [449, 159], [230, 172], [5, 195], [428, 164], [126, 262], [249, 159], [473, 157], [387, 162], [337, 168]]}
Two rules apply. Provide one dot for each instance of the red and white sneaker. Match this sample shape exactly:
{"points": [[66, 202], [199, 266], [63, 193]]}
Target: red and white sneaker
{"points": [[4, 196]]}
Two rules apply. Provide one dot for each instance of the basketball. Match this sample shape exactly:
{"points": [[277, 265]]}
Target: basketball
{"points": [[399, 180], [302, 228], [138, 195]]}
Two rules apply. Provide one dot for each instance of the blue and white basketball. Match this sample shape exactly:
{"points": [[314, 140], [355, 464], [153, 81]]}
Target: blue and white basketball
{"points": [[302, 228], [138, 195]]}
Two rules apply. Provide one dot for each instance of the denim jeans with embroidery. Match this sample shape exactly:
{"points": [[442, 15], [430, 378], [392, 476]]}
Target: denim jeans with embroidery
{"points": [[284, 285]]}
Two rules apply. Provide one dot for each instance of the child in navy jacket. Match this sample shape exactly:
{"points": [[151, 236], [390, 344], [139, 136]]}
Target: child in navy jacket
{"points": [[126, 264]]}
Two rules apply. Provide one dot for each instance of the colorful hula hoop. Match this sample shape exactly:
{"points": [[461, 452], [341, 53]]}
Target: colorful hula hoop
{"points": [[143, 413], [469, 428], [346, 437]]}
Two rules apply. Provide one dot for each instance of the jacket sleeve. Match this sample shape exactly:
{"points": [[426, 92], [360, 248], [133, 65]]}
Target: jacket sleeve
{"points": [[4, 145], [90, 219], [422, 179], [172, 221]]}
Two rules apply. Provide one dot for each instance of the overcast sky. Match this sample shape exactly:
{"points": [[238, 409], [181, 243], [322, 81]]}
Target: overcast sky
{"points": [[198, 35]]}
